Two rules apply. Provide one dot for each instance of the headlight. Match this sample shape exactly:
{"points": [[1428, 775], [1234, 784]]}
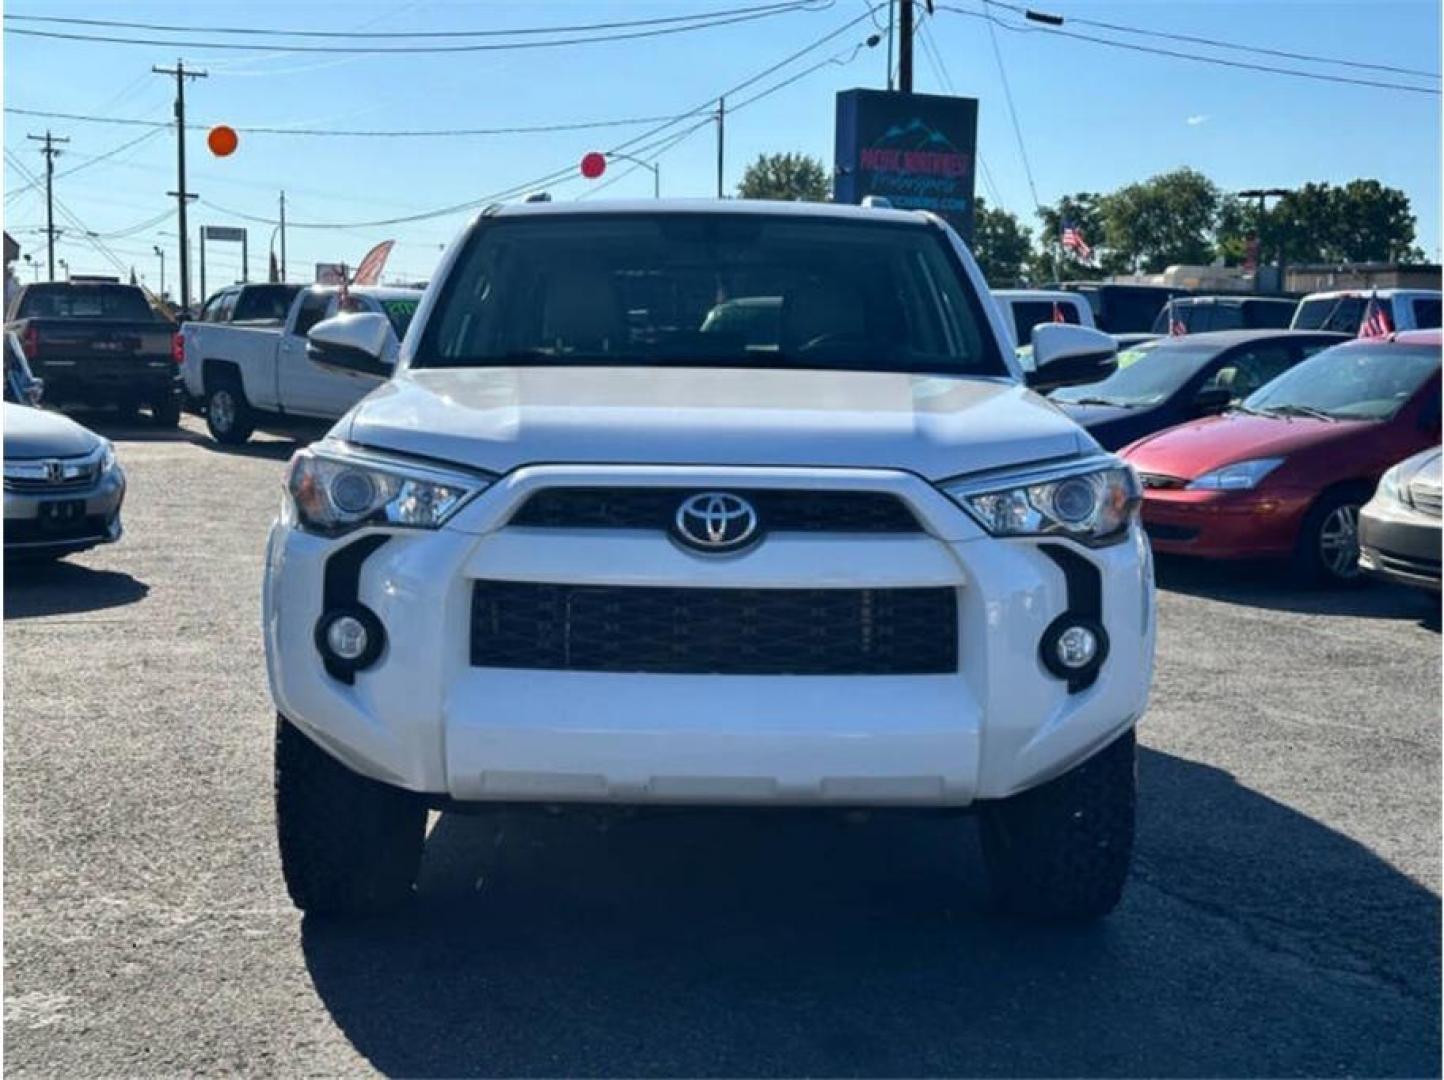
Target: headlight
{"points": [[1093, 505], [107, 457], [1240, 476], [1389, 487], [334, 489]]}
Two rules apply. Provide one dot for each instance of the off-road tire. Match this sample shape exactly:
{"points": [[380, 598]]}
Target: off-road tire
{"points": [[1312, 566], [165, 411], [1060, 852], [228, 414], [349, 845]]}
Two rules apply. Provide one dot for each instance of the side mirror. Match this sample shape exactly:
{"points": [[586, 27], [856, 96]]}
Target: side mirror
{"points": [[1068, 355], [1212, 400], [357, 342]]}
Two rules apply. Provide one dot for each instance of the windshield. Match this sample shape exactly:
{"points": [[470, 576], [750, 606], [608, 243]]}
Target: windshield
{"points": [[1154, 371], [1342, 313], [119, 302], [715, 290], [1350, 382], [400, 312], [1029, 313]]}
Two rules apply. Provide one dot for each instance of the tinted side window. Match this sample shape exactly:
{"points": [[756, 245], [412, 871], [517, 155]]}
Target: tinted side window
{"points": [[313, 310], [1029, 313], [226, 310], [1246, 371], [1426, 314], [264, 303]]}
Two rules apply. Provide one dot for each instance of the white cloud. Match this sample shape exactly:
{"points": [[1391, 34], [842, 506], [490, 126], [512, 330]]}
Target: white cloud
{"points": [[1199, 118]]}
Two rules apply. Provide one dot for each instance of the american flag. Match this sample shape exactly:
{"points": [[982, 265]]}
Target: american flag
{"points": [[1074, 242], [1176, 326], [1058, 316], [1376, 319]]}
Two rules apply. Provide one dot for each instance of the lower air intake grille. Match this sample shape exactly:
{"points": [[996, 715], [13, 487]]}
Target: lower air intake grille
{"points": [[714, 631]]}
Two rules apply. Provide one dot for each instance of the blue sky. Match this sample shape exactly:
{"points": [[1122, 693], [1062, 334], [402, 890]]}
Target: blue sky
{"points": [[1092, 117]]}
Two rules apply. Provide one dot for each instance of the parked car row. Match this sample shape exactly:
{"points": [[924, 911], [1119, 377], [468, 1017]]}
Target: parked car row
{"points": [[1260, 444]]}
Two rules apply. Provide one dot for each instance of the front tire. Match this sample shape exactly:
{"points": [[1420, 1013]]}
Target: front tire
{"points": [[349, 844], [228, 414], [1328, 547], [1060, 852]]}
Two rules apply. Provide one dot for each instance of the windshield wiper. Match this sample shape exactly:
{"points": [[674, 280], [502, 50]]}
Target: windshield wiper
{"points": [[1241, 407], [1101, 401], [1305, 410]]}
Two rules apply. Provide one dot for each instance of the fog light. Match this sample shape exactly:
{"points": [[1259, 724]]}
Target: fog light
{"points": [[347, 637], [1076, 647], [1073, 648]]}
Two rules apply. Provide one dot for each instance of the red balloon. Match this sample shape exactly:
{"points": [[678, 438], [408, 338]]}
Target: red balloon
{"points": [[594, 164], [223, 140]]}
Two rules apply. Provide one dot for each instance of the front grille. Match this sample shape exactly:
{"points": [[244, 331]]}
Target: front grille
{"points": [[1425, 498], [714, 631], [75, 476], [777, 510]]}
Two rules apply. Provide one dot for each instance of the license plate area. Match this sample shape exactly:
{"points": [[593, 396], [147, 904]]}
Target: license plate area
{"points": [[61, 513]]}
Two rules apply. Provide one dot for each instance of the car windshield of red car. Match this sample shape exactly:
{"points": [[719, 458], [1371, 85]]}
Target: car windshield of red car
{"points": [[1350, 382]]}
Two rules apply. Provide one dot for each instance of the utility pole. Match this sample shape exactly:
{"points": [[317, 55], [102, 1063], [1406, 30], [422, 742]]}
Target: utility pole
{"points": [[50, 152], [891, 8], [905, 46], [181, 195], [721, 121], [283, 236]]}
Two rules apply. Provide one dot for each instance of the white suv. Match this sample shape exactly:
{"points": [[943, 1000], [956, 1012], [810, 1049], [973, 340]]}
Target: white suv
{"points": [[597, 542]]}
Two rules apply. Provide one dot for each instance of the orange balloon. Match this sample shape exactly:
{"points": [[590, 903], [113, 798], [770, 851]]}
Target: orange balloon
{"points": [[223, 140]]}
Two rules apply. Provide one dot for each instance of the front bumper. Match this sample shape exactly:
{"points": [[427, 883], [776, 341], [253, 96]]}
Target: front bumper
{"points": [[27, 529], [1398, 543], [1224, 524], [424, 718]]}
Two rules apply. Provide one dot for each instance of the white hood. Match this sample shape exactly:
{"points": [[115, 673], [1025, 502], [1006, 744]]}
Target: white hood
{"points": [[501, 418]]}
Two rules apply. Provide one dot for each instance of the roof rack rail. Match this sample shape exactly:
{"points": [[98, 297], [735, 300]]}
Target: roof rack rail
{"points": [[876, 202], [538, 196]]}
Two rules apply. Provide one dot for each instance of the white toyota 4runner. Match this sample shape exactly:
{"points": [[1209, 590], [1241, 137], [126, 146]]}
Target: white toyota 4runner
{"points": [[727, 503]]}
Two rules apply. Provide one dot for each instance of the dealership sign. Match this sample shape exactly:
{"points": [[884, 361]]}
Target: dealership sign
{"points": [[915, 150]]}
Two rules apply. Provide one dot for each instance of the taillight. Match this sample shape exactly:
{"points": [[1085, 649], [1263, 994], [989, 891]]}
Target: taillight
{"points": [[178, 347], [30, 342]]}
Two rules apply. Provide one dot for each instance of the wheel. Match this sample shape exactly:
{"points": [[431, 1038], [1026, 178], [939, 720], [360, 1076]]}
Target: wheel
{"points": [[1328, 547], [1060, 852], [165, 411], [228, 414], [349, 845]]}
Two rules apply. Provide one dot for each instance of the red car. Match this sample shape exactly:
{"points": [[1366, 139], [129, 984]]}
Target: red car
{"points": [[1285, 473]]}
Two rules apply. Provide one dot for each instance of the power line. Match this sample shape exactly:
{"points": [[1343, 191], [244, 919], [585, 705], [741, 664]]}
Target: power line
{"points": [[935, 62], [570, 170], [413, 133], [94, 160], [1237, 46], [1013, 114], [1218, 60], [407, 50], [252, 31]]}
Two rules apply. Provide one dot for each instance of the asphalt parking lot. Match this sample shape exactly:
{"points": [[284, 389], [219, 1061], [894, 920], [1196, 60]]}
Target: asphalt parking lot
{"points": [[1283, 918]]}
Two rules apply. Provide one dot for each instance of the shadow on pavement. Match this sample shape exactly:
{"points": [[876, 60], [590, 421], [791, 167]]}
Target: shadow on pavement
{"points": [[1269, 585], [1253, 941], [65, 588]]}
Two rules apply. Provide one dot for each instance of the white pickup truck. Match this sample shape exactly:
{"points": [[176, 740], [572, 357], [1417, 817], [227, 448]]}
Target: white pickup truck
{"points": [[253, 373]]}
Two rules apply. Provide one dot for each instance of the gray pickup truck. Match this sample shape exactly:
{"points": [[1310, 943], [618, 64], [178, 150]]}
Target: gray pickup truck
{"points": [[98, 343]]}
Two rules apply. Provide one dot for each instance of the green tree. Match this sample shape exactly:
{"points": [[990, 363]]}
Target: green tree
{"points": [[1163, 220], [1002, 245], [1362, 221], [789, 177]]}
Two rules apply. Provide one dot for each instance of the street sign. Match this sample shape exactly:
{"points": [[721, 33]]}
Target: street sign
{"points": [[223, 232], [915, 150]]}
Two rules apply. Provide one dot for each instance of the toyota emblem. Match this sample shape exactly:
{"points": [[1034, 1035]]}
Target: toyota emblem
{"points": [[716, 521]]}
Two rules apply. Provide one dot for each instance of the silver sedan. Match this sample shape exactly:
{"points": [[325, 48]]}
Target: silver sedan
{"points": [[63, 486]]}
